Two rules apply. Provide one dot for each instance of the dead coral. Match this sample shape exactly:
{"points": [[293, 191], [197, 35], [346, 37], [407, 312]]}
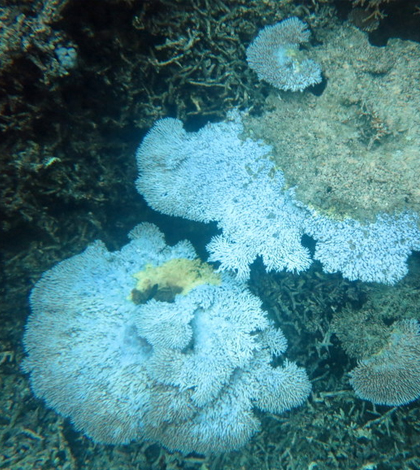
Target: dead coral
{"points": [[135, 63], [360, 332], [27, 31], [363, 20], [373, 7]]}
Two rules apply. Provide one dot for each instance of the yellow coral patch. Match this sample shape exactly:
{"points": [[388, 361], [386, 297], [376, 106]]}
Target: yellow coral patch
{"points": [[176, 276]]}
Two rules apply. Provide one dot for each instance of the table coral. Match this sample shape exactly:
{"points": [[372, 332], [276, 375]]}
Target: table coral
{"points": [[186, 372]]}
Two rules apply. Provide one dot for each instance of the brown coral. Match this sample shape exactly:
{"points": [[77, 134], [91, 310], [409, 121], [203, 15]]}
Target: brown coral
{"points": [[392, 376]]}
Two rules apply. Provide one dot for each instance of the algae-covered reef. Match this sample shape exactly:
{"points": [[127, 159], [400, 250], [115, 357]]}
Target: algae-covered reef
{"points": [[82, 82], [353, 151]]}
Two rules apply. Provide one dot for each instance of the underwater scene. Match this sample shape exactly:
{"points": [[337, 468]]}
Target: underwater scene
{"points": [[210, 234]]}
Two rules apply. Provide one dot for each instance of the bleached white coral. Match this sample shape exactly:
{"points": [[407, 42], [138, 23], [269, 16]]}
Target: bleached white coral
{"points": [[275, 56], [215, 175], [122, 365], [371, 252]]}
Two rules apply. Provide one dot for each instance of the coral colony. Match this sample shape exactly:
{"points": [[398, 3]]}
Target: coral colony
{"points": [[150, 343], [214, 175], [372, 252], [392, 376], [276, 57]]}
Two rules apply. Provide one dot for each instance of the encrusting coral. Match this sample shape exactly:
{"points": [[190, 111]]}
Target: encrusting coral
{"points": [[127, 351]]}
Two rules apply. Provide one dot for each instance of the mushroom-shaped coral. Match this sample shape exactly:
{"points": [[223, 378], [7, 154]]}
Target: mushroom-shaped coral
{"points": [[149, 343], [392, 376], [275, 56]]}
